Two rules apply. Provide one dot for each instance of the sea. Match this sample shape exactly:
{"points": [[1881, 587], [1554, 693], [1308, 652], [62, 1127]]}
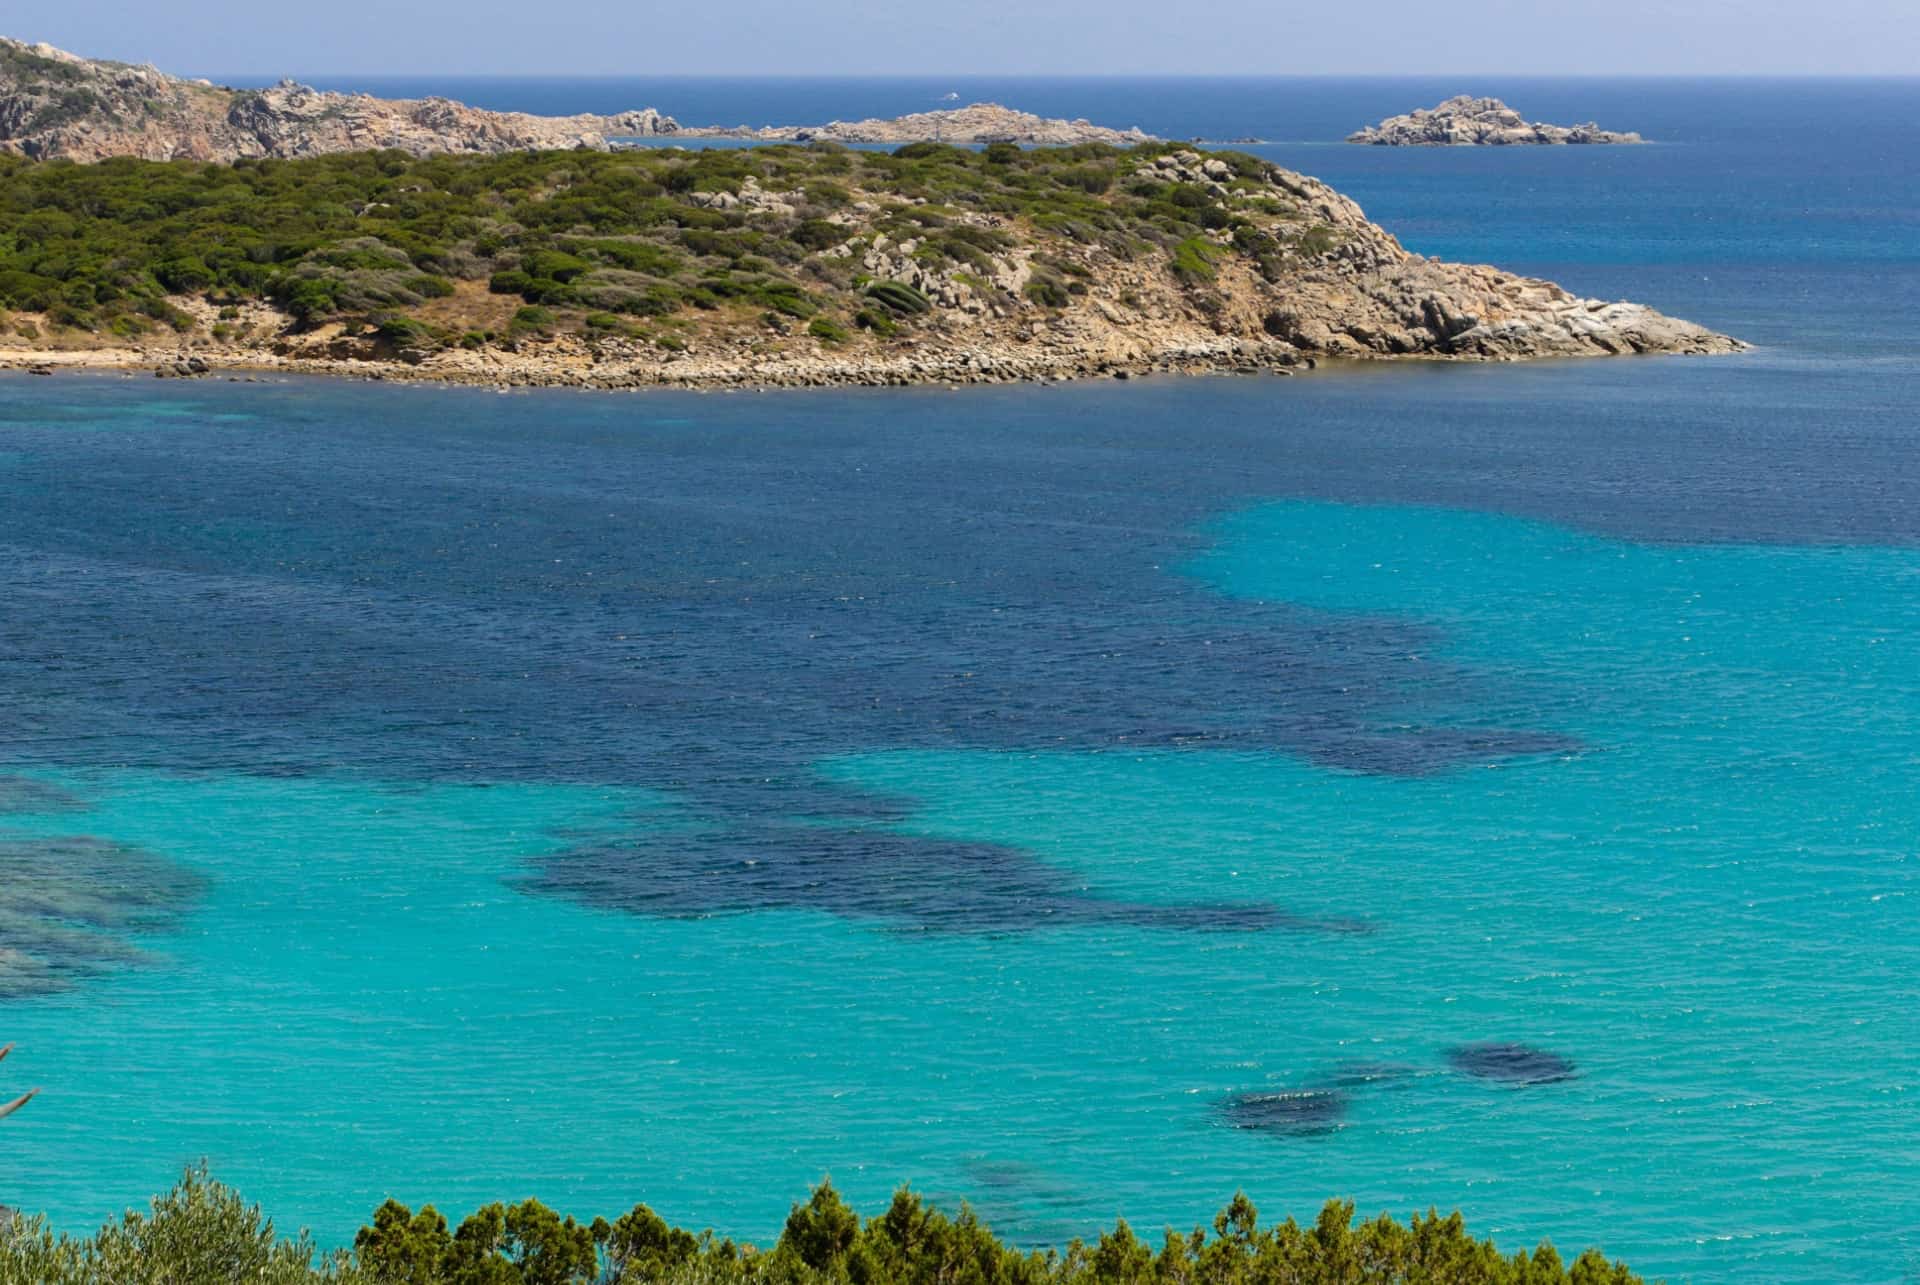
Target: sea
{"points": [[1478, 787]]}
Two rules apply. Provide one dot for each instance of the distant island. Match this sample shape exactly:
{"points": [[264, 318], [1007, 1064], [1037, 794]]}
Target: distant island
{"points": [[1466, 121], [973, 125], [430, 240], [58, 105]]}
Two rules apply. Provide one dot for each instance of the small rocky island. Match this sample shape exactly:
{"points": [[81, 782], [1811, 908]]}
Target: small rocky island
{"points": [[1466, 121], [973, 125]]}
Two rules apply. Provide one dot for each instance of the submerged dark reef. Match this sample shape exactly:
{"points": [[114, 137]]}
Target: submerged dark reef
{"points": [[930, 884], [68, 906], [1293, 1112], [1519, 1064], [1319, 1105], [20, 794]]}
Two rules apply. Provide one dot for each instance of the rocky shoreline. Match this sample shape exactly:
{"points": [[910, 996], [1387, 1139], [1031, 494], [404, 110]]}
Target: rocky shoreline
{"points": [[568, 362], [975, 366], [1466, 121]]}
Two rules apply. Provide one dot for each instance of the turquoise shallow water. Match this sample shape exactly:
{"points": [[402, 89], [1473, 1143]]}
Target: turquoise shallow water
{"points": [[1711, 905], [430, 793]]}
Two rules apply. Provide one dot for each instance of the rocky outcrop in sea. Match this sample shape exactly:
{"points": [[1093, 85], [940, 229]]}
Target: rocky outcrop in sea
{"points": [[974, 124], [1466, 121]]}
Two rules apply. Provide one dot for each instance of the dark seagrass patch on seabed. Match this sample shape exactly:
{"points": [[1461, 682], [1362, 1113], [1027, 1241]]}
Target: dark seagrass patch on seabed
{"points": [[1314, 1107], [21, 795], [908, 881], [69, 906], [1516, 1064], [1294, 1113]]}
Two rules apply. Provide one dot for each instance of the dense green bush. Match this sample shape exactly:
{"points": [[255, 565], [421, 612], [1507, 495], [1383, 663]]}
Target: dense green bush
{"points": [[201, 1233], [828, 329], [1048, 291], [899, 298], [1195, 260], [633, 232]]}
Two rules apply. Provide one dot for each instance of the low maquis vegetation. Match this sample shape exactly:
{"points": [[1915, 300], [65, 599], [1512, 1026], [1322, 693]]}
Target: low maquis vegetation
{"points": [[202, 1233], [636, 243]]}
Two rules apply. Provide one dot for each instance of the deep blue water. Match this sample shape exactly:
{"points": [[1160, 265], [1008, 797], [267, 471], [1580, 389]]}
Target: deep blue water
{"points": [[459, 796]]}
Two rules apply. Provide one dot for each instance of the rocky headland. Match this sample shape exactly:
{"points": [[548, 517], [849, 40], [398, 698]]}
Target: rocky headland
{"points": [[54, 104], [803, 267], [1466, 121]]}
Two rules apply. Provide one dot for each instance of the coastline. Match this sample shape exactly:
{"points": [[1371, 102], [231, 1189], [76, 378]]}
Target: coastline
{"points": [[971, 365]]}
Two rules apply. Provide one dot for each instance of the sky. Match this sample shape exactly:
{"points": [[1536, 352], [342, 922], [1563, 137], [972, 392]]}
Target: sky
{"points": [[988, 37]]}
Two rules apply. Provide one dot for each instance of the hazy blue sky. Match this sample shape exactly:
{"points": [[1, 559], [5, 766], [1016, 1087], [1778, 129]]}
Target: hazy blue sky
{"points": [[1827, 37]]}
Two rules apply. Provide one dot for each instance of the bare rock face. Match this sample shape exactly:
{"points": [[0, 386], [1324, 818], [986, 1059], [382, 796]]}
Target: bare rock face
{"points": [[56, 104], [1364, 295], [1482, 122], [974, 124]]}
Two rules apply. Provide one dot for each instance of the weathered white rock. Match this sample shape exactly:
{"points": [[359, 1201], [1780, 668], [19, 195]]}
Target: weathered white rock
{"points": [[1486, 122]]}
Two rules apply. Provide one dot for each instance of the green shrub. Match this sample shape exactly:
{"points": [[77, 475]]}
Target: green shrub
{"points": [[785, 297], [924, 151], [827, 329], [407, 332], [67, 317], [554, 265], [531, 319], [429, 286], [829, 194], [1048, 292], [633, 256], [1316, 241], [875, 320], [184, 274], [199, 1232], [899, 298], [818, 234], [1195, 260], [202, 1233]]}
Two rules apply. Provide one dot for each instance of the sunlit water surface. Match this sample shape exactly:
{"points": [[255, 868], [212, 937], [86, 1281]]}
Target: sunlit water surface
{"points": [[460, 796]]}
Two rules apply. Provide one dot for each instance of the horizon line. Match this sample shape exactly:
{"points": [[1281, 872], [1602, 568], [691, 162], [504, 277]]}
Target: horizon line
{"points": [[963, 77]]}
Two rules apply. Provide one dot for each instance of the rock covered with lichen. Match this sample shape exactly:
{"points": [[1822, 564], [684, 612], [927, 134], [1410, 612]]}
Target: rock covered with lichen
{"points": [[1466, 121]]}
